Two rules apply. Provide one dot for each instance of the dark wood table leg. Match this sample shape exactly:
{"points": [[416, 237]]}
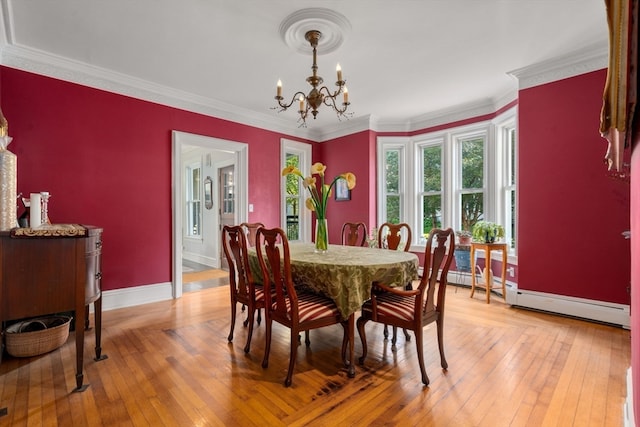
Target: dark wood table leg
{"points": [[351, 327]]}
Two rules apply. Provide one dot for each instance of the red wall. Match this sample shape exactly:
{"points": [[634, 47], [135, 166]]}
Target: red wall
{"points": [[571, 213], [106, 160], [351, 153]]}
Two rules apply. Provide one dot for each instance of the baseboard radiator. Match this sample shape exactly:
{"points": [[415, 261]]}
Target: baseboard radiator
{"points": [[599, 311]]}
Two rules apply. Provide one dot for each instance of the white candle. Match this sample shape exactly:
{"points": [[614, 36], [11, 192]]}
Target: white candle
{"points": [[346, 95], [279, 90], [301, 103], [339, 71], [35, 210]]}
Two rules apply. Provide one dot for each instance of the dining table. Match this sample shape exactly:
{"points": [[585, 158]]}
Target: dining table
{"points": [[345, 274]]}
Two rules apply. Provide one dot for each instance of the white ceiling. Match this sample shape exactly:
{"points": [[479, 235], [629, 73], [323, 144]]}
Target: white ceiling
{"points": [[404, 60]]}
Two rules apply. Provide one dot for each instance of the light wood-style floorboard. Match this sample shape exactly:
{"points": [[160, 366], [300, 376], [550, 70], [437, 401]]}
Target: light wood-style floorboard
{"points": [[169, 364]]}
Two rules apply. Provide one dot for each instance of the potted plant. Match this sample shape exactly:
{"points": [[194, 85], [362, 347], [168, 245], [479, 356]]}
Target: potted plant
{"points": [[487, 231], [464, 237]]}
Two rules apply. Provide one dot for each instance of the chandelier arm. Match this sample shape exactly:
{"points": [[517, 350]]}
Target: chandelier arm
{"points": [[330, 100], [296, 97]]}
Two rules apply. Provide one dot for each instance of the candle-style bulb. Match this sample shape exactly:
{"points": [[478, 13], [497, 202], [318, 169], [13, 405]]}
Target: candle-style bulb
{"points": [[339, 71], [346, 95], [279, 90]]}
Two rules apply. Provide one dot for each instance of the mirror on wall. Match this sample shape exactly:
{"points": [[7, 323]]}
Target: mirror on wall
{"points": [[208, 193]]}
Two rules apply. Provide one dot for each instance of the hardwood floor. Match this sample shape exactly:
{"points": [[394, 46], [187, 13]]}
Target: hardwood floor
{"points": [[170, 364]]}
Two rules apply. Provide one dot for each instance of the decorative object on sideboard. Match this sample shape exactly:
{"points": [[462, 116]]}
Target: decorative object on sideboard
{"points": [[8, 179]]}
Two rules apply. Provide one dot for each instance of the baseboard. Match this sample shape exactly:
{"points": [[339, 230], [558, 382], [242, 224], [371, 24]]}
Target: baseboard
{"points": [[629, 418], [201, 259], [129, 297], [599, 311]]}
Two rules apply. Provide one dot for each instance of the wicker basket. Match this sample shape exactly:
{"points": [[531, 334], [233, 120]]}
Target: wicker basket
{"points": [[37, 336]]}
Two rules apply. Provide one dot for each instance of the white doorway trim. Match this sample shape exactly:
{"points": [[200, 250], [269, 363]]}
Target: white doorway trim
{"points": [[241, 153]]}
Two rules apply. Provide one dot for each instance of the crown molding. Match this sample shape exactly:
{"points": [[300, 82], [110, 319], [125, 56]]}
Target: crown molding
{"points": [[46, 64], [591, 58], [43, 63]]}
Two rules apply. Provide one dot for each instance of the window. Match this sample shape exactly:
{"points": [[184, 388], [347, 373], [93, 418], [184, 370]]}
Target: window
{"points": [[508, 133], [471, 191], [430, 193], [296, 219], [451, 178], [193, 204]]}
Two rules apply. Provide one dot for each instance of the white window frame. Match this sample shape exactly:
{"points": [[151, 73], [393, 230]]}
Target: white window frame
{"points": [[405, 184], [495, 205], [303, 151], [419, 145]]}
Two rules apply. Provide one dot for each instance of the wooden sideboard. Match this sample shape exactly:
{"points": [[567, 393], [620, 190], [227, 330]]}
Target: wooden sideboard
{"points": [[51, 272]]}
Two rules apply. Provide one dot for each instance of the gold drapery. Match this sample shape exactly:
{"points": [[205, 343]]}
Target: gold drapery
{"points": [[620, 93]]}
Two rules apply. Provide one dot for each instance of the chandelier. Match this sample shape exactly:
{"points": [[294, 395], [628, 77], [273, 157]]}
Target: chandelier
{"points": [[317, 96]]}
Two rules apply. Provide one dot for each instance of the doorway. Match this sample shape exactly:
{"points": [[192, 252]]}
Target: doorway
{"points": [[220, 152]]}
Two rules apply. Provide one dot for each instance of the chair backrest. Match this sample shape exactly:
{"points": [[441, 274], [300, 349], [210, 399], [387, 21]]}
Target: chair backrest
{"points": [[276, 274], [437, 261], [390, 235], [354, 234], [234, 243], [251, 229]]}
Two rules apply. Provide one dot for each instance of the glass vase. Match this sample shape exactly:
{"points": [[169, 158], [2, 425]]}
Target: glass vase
{"points": [[322, 236]]}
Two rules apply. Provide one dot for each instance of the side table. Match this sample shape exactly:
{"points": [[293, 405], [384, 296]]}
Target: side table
{"points": [[488, 277]]}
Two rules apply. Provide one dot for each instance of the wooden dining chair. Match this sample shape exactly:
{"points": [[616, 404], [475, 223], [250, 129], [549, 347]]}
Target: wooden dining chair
{"points": [[299, 311], [251, 229], [415, 309], [244, 290], [390, 236], [354, 234]]}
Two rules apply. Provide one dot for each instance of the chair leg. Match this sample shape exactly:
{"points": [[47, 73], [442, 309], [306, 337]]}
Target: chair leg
{"points": [[267, 343], [394, 338], [443, 361], [292, 357], [423, 372], [233, 320], [307, 341], [250, 318], [407, 336], [386, 332], [363, 339], [259, 316]]}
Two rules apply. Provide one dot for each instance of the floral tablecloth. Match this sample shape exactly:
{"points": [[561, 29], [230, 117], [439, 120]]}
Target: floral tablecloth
{"points": [[345, 273]]}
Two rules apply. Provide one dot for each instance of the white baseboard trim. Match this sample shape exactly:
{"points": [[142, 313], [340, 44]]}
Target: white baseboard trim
{"points": [[129, 297], [201, 259], [600, 311], [629, 418]]}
